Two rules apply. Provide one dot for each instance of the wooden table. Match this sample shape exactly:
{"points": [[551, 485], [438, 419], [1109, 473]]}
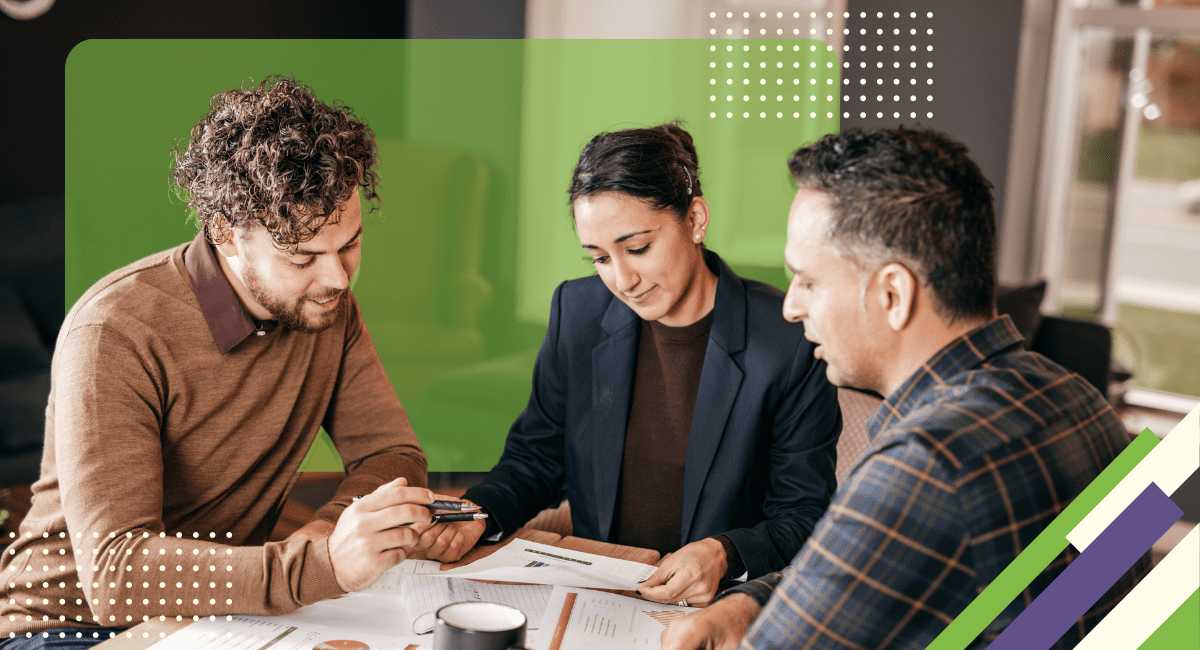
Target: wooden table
{"points": [[146, 634]]}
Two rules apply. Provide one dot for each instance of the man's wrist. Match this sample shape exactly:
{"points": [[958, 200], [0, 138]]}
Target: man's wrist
{"points": [[314, 530], [745, 605]]}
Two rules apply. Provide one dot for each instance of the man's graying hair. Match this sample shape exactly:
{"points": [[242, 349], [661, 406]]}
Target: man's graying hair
{"points": [[913, 197]]}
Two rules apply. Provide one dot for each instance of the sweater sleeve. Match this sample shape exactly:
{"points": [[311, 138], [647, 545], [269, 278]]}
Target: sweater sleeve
{"points": [[367, 424], [111, 401]]}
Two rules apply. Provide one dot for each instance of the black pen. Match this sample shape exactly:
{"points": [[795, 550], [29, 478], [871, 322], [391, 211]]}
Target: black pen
{"points": [[458, 516], [450, 518], [442, 505], [452, 505]]}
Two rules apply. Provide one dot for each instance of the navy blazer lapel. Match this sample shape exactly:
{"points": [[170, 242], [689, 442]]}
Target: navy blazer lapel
{"points": [[719, 383], [613, 364]]}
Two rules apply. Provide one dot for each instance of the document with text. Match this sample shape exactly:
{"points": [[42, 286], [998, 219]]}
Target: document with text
{"points": [[533, 563], [393, 578]]}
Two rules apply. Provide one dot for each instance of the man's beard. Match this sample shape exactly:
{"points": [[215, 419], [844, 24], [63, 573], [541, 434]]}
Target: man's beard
{"points": [[291, 316]]}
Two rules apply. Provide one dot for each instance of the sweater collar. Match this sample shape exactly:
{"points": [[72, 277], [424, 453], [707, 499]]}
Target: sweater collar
{"points": [[227, 320]]}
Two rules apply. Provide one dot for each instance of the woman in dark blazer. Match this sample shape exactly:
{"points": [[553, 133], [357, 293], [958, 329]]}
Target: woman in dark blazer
{"points": [[672, 404]]}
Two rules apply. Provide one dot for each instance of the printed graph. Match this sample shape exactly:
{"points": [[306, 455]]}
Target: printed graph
{"points": [[665, 617]]}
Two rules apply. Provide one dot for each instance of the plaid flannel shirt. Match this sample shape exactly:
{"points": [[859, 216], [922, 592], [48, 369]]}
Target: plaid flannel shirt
{"points": [[969, 460]]}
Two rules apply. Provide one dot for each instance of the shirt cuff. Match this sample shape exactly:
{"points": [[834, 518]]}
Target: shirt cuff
{"points": [[735, 569], [504, 516], [492, 532], [760, 590]]}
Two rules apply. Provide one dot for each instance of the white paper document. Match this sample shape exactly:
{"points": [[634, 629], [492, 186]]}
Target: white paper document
{"points": [[376, 611], [580, 619], [422, 596], [369, 613], [533, 563], [261, 633], [391, 579]]}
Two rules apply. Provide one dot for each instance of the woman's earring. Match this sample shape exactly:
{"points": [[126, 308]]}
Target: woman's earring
{"points": [[697, 237]]}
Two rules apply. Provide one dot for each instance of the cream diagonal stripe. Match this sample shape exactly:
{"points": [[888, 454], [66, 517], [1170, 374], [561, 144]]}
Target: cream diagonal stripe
{"points": [[1169, 464], [1151, 602]]}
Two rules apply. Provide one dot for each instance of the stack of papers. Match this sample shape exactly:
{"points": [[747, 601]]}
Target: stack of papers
{"points": [[398, 611]]}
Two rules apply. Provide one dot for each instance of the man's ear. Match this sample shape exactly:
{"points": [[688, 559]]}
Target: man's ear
{"points": [[898, 293], [225, 234]]}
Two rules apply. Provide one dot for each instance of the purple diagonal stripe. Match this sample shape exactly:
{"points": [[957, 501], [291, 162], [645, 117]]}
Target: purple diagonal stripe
{"points": [[1082, 583]]}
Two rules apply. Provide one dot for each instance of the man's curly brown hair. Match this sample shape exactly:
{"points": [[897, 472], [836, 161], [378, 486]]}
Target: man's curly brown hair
{"points": [[276, 156]]}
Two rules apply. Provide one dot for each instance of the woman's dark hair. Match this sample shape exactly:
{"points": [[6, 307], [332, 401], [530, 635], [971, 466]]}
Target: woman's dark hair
{"points": [[276, 156], [912, 196], [658, 165]]}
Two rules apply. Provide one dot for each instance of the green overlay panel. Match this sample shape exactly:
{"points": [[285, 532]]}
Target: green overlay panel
{"points": [[322, 456], [477, 141]]}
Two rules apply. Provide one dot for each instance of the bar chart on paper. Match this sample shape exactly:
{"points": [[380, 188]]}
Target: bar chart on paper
{"points": [[595, 620]]}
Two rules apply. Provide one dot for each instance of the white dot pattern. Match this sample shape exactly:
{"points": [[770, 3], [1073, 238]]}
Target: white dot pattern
{"points": [[891, 40], [771, 64], [118, 604]]}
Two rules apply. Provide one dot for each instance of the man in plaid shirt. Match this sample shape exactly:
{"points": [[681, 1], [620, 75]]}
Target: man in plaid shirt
{"points": [[980, 443]]}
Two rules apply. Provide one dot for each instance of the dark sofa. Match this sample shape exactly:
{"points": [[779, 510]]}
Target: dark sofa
{"points": [[31, 312]]}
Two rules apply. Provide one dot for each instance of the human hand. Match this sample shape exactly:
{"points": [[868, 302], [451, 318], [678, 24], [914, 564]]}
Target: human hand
{"points": [[313, 531], [692, 573], [719, 626], [373, 534], [449, 542]]}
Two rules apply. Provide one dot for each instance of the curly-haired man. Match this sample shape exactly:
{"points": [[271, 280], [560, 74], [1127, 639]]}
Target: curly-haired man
{"points": [[189, 386]]}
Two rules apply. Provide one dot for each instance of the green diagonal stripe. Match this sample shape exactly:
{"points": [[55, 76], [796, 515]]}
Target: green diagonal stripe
{"points": [[1178, 631], [988, 604]]}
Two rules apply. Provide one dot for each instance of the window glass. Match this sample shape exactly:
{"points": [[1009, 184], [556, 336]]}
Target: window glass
{"points": [[1157, 254]]}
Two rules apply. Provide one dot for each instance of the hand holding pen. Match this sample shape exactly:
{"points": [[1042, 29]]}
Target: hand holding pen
{"points": [[373, 535], [445, 537], [441, 504]]}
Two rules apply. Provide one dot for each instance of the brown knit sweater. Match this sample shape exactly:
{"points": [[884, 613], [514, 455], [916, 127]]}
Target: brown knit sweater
{"points": [[669, 364], [167, 461]]}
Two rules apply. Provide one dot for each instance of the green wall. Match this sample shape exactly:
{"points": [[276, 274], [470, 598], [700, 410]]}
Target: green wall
{"points": [[576, 89], [520, 109]]}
